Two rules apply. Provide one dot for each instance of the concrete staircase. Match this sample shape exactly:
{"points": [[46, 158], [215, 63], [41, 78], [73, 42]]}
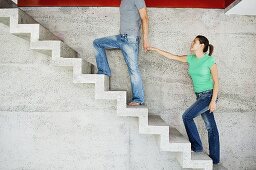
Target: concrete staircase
{"points": [[170, 139]]}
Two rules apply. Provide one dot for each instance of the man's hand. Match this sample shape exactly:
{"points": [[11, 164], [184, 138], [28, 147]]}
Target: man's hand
{"points": [[146, 46]]}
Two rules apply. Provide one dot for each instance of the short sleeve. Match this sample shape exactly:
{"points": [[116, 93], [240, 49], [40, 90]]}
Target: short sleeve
{"points": [[211, 62], [140, 4], [189, 56]]}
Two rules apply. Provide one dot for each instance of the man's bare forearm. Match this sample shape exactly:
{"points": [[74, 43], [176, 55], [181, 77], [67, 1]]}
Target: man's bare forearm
{"points": [[145, 22]]}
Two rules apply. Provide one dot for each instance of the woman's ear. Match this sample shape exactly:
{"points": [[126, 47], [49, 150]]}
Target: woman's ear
{"points": [[202, 46]]}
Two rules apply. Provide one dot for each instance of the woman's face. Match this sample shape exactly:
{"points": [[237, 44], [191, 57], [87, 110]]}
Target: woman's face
{"points": [[195, 45]]}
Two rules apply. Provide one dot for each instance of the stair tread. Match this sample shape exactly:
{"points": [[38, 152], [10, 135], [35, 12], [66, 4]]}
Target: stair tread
{"points": [[219, 167], [174, 135], [155, 120], [200, 156], [137, 107]]}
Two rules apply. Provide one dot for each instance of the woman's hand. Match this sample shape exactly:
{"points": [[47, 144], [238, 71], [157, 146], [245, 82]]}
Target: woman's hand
{"points": [[152, 48], [146, 46], [212, 106]]}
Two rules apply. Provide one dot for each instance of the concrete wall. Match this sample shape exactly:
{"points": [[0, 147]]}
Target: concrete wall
{"points": [[47, 122], [7, 4], [167, 86], [95, 139]]}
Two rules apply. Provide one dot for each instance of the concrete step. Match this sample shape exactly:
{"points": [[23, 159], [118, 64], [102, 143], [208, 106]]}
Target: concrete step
{"points": [[178, 143], [134, 111], [157, 126], [219, 167], [177, 137], [170, 140], [174, 135], [24, 25], [200, 160], [200, 156], [155, 120]]}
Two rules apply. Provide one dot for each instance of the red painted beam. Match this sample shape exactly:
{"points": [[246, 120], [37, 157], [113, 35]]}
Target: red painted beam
{"points": [[71, 3], [186, 3], [228, 2], [116, 3]]}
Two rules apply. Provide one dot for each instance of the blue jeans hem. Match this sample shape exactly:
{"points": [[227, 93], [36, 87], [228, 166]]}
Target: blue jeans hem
{"points": [[200, 150], [109, 75], [138, 101]]}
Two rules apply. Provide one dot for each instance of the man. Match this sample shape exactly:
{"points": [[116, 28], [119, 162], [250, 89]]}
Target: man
{"points": [[133, 13]]}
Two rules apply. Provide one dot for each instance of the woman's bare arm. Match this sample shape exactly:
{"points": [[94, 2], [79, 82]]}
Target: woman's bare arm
{"points": [[168, 55], [214, 72]]}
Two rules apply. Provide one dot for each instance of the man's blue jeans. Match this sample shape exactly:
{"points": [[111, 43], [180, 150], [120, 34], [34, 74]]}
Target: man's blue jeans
{"points": [[129, 45], [200, 107]]}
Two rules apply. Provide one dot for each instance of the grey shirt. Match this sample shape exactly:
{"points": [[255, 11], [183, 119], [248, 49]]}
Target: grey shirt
{"points": [[130, 21]]}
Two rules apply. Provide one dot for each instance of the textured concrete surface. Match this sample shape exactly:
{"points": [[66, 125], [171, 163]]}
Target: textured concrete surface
{"points": [[32, 84], [92, 139], [7, 4], [47, 122], [167, 86]]}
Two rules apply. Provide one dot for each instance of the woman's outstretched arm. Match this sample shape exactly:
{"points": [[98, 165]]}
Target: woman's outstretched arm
{"points": [[169, 55]]}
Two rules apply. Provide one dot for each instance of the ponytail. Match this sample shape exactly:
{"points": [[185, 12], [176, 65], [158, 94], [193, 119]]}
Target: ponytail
{"points": [[211, 48]]}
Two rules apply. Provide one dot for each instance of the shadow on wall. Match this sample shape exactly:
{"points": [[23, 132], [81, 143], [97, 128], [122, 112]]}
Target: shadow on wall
{"points": [[7, 4]]}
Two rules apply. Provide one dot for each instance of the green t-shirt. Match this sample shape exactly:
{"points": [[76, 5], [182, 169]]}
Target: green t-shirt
{"points": [[200, 72]]}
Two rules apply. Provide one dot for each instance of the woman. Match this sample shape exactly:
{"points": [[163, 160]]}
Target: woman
{"points": [[204, 74]]}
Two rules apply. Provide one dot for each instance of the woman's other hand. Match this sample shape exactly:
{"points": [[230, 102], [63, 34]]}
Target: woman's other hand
{"points": [[212, 106]]}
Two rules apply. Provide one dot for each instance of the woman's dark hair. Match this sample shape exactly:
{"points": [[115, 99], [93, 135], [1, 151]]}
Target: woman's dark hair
{"points": [[207, 45]]}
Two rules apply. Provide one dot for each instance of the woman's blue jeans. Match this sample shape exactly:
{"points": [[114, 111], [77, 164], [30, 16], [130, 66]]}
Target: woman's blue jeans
{"points": [[129, 45], [201, 107]]}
